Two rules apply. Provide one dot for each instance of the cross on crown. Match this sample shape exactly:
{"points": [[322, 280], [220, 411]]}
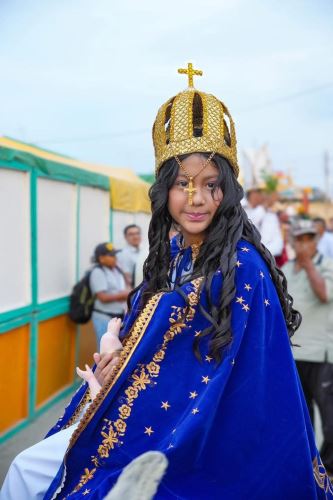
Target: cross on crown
{"points": [[190, 72]]}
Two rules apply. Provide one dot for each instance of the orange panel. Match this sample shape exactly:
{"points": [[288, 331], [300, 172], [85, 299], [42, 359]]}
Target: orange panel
{"points": [[56, 356], [14, 386], [87, 345]]}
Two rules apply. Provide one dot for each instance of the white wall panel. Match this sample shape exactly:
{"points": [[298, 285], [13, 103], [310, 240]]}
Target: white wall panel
{"points": [[94, 223], [15, 266], [56, 229], [119, 221]]}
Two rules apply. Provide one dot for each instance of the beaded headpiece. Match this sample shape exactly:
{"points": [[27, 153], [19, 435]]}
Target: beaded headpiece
{"points": [[194, 122]]}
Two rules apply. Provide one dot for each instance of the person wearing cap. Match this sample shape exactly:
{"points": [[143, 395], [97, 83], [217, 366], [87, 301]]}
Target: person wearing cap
{"points": [[108, 283], [310, 282]]}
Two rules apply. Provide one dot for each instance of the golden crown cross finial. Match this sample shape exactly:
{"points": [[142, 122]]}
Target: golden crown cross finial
{"points": [[190, 72]]}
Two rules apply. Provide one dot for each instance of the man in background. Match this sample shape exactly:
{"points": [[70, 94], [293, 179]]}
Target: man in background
{"points": [[127, 258], [325, 243], [258, 208], [310, 283]]}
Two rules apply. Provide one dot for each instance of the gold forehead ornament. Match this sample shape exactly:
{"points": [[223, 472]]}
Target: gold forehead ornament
{"points": [[190, 189]]}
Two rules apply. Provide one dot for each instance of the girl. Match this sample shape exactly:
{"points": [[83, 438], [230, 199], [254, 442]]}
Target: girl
{"points": [[206, 374]]}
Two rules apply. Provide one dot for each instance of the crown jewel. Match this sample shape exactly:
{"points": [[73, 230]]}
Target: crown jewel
{"points": [[193, 122]]}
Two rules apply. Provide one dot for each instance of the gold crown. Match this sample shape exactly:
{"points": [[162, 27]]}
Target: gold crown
{"points": [[193, 122]]}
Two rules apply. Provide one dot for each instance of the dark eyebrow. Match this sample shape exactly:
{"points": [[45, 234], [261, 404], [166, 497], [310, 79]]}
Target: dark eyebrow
{"points": [[215, 177]]}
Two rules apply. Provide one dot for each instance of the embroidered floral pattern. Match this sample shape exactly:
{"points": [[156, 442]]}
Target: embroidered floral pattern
{"points": [[125, 411], [132, 392], [153, 369], [321, 476], [141, 378], [110, 438], [88, 474], [120, 425], [159, 356]]}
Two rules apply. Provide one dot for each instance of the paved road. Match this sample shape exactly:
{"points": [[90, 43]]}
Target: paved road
{"points": [[28, 436]]}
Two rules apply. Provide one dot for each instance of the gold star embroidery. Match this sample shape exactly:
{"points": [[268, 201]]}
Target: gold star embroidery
{"points": [[238, 264], [245, 307], [165, 405], [86, 492], [197, 333], [205, 379], [193, 395], [208, 358], [170, 446], [266, 301], [195, 410], [261, 274], [245, 249], [247, 287], [239, 300], [148, 430]]}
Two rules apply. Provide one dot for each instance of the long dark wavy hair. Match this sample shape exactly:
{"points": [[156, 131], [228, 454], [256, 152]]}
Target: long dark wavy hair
{"points": [[230, 223]]}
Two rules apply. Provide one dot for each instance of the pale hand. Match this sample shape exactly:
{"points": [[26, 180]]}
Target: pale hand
{"points": [[88, 376], [110, 352], [110, 340], [106, 360]]}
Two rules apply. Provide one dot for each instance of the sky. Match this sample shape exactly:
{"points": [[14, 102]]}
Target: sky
{"points": [[86, 79]]}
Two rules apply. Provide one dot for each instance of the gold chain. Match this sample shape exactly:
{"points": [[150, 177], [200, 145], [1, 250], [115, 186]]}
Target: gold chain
{"points": [[190, 190]]}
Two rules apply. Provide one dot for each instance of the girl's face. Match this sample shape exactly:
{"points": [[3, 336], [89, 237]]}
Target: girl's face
{"points": [[195, 219]]}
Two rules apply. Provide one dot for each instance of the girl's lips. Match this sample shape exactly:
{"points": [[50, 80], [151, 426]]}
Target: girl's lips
{"points": [[195, 217]]}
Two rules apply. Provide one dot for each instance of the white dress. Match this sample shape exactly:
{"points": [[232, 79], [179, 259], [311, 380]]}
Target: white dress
{"points": [[34, 469]]}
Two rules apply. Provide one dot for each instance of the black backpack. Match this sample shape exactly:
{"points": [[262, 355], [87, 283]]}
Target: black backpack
{"points": [[82, 300]]}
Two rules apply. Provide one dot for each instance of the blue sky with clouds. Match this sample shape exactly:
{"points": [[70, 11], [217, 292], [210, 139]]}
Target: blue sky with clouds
{"points": [[86, 78]]}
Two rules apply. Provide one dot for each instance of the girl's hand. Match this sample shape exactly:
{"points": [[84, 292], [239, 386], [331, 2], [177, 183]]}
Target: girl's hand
{"points": [[105, 363]]}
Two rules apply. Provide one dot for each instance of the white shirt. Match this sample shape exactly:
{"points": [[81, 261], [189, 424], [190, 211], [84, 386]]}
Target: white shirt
{"points": [[268, 225], [325, 245], [315, 335], [104, 279], [141, 257], [127, 259], [255, 214], [271, 235]]}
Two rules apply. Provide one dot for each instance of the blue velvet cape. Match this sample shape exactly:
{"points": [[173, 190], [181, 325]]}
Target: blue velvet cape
{"points": [[239, 430]]}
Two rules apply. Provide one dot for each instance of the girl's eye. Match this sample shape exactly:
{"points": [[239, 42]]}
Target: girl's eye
{"points": [[182, 184], [211, 185]]}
